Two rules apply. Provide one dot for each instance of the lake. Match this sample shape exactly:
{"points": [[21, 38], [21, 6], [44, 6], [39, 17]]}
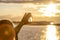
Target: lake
{"points": [[39, 32]]}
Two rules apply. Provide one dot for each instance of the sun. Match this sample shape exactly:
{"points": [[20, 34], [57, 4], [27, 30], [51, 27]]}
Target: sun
{"points": [[49, 11]]}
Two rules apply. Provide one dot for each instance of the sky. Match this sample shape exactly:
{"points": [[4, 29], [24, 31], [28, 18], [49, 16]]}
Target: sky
{"points": [[24, 0], [12, 9], [15, 10]]}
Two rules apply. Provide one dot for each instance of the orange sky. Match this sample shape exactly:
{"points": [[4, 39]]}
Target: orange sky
{"points": [[16, 9]]}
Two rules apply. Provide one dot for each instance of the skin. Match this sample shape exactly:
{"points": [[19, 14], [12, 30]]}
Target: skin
{"points": [[23, 22], [7, 32]]}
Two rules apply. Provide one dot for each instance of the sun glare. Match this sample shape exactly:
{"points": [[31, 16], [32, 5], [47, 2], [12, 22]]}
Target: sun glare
{"points": [[51, 8], [51, 33], [51, 23], [30, 19], [49, 11]]}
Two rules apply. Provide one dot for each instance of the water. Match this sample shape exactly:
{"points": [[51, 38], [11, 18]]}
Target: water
{"points": [[39, 32]]}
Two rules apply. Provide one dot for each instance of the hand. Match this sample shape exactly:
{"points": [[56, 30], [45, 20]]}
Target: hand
{"points": [[26, 18]]}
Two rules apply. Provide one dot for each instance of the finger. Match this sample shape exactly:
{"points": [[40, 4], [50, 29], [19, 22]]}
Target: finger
{"points": [[24, 15], [28, 16]]}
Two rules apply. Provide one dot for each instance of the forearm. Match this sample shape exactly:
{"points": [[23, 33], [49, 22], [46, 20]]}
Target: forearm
{"points": [[19, 26], [23, 21]]}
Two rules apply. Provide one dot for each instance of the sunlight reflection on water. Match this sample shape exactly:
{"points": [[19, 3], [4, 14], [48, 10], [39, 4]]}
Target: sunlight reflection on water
{"points": [[51, 33], [41, 32]]}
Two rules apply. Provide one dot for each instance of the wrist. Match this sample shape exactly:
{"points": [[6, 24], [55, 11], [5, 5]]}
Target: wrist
{"points": [[22, 23]]}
